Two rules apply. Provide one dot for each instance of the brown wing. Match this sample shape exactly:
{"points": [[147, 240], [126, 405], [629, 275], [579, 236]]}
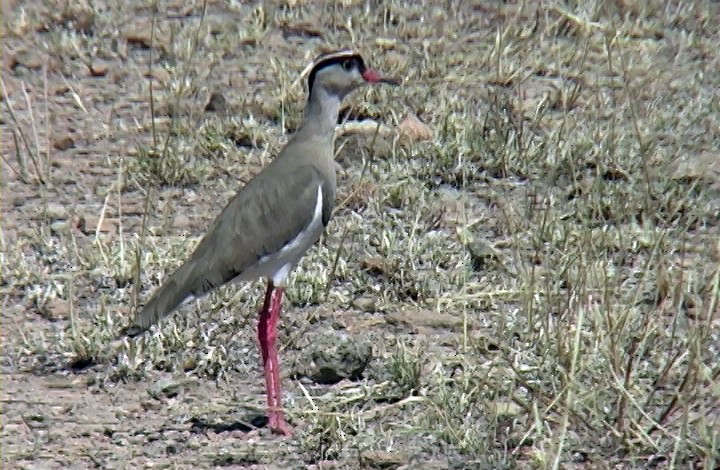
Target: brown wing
{"points": [[260, 219]]}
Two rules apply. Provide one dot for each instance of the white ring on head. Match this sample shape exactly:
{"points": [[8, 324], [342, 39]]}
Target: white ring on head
{"points": [[321, 58]]}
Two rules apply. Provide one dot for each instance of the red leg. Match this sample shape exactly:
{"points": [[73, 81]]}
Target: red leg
{"points": [[267, 337]]}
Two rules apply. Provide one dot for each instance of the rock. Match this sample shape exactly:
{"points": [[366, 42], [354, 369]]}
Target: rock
{"points": [[138, 33], [356, 145], [159, 74], [59, 90], [411, 127], [78, 17], [149, 404], [301, 29], [182, 222], [506, 409], [169, 387], [366, 303], [89, 224], [424, 320], [387, 44], [703, 167], [29, 59], [333, 356], [56, 211], [216, 103], [99, 69], [382, 459], [63, 143], [368, 127], [36, 420], [55, 309], [482, 254], [375, 266], [59, 226], [59, 381], [434, 464], [358, 194]]}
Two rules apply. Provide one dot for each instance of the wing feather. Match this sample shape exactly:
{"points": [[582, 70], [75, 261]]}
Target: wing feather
{"points": [[259, 220]]}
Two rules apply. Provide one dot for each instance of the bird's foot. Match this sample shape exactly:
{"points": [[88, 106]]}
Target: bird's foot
{"points": [[278, 425]]}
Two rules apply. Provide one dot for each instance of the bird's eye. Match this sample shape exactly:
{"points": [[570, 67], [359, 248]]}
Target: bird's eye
{"points": [[347, 64]]}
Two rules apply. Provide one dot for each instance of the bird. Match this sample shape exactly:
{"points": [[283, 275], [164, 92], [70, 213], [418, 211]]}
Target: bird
{"points": [[269, 224]]}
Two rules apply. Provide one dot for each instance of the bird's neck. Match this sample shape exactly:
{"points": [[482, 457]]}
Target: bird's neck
{"points": [[321, 114]]}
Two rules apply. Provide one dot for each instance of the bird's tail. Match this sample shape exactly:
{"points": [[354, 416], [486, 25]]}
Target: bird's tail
{"points": [[166, 299]]}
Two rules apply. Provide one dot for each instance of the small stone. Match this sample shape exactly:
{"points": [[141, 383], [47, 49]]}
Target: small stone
{"points": [[364, 127], [60, 90], [358, 195], [303, 29], [190, 364], [333, 356], [386, 43], [414, 129], [89, 224], [55, 309], [28, 59], [703, 168], [169, 387], [216, 103], [59, 226], [506, 409], [382, 459], [78, 17], [416, 320], [63, 143], [56, 211], [182, 222], [99, 69], [138, 33], [159, 74], [149, 404], [36, 421], [134, 208], [482, 254], [539, 93], [366, 303], [375, 266]]}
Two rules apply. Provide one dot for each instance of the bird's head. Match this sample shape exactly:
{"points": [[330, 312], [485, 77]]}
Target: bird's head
{"points": [[341, 72]]}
